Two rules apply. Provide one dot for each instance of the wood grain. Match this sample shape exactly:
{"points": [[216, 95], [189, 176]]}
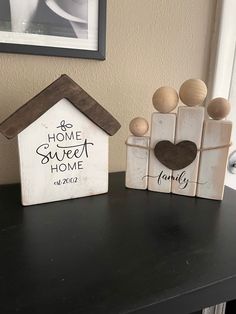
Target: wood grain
{"points": [[175, 156], [55, 164], [63, 87], [193, 92], [213, 162], [189, 127], [162, 128], [137, 163]]}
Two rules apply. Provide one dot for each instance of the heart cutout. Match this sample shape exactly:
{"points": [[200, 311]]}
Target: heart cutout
{"points": [[175, 156]]}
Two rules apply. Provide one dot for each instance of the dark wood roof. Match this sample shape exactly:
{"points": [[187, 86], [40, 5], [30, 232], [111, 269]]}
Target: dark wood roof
{"points": [[64, 87]]}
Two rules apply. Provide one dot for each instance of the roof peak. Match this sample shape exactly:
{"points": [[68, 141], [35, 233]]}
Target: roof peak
{"points": [[63, 87]]}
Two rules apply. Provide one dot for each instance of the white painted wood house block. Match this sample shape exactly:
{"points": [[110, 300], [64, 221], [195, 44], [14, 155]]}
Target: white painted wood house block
{"points": [[58, 163], [64, 150]]}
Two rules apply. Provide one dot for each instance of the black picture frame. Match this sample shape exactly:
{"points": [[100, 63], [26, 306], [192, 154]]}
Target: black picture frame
{"points": [[99, 54]]}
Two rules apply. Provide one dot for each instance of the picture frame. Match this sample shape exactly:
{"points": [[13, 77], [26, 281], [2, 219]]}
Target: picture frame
{"points": [[91, 47]]}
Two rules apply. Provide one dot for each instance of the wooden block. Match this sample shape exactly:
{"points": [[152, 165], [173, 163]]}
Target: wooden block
{"points": [[189, 127], [162, 128], [213, 162], [137, 163], [63, 155]]}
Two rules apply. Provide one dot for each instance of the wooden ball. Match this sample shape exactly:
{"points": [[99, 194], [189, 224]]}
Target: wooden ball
{"points": [[138, 126], [165, 99], [218, 108], [193, 92]]}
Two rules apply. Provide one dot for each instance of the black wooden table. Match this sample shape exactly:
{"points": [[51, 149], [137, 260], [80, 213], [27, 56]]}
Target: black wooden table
{"points": [[127, 251]]}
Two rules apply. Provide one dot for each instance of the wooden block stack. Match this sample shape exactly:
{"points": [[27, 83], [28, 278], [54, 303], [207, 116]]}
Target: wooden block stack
{"points": [[137, 157], [189, 128], [216, 135], [164, 100], [184, 154]]}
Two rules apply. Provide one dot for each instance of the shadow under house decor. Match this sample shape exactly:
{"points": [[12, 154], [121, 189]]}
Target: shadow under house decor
{"points": [[184, 154], [63, 143]]}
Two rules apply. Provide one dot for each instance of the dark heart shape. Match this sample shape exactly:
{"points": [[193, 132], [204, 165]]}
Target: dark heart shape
{"points": [[175, 156]]}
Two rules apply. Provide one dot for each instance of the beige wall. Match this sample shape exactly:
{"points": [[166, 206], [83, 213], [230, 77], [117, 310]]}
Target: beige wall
{"points": [[149, 43]]}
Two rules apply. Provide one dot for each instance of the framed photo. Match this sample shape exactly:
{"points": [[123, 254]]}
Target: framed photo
{"points": [[66, 28]]}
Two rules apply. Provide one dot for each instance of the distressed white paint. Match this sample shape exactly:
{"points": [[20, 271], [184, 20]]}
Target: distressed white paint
{"points": [[50, 181], [216, 309], [162, 128], [213, 162], [189, 127], [137, 163]]}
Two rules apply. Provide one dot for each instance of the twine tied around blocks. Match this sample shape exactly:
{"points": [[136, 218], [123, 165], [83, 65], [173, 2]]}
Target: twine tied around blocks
{"points": [[199, 149], [177, 156]]}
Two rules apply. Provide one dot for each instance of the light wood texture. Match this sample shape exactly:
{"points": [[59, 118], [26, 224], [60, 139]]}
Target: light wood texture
{"points": [[189, 127], [165, 99], [218, 108], [63, 155], [213, 162], [138, 126], [137, 163], [162, 128], [193, 92]]}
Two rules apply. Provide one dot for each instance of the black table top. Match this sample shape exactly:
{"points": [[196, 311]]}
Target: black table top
{"points": [[122, 252]]}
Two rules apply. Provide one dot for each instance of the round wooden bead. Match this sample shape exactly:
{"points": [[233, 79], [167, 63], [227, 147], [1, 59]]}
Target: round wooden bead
{"points": [[218, 108], [138, 126], [165, 99], [193, 92]]}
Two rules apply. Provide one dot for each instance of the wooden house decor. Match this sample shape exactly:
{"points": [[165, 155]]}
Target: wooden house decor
{"points": [[63, 143], [185, 153]]}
